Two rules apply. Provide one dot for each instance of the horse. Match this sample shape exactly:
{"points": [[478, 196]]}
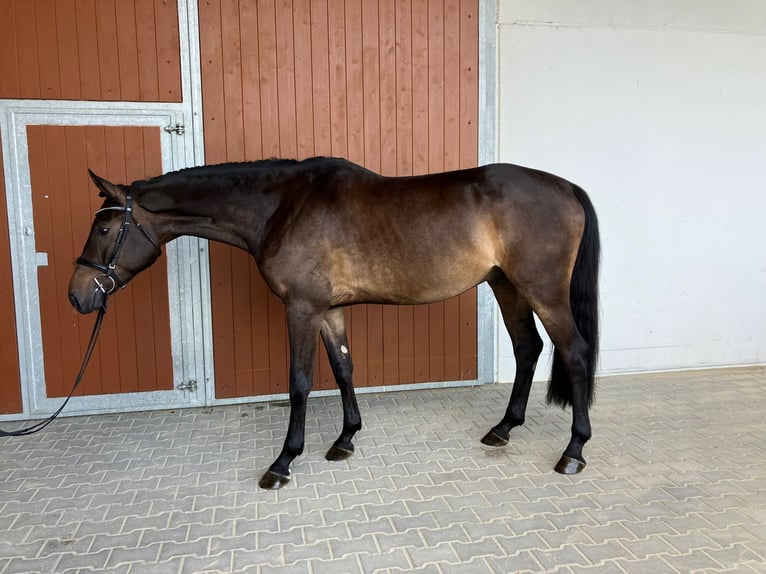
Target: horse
{"points": [[326, 233]]}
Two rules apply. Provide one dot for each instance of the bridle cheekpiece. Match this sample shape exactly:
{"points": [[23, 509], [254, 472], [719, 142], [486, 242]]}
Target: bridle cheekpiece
{"points": [[108, 270]]}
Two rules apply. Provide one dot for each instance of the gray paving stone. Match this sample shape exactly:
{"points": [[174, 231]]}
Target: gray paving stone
{"points": [[132, 494]]}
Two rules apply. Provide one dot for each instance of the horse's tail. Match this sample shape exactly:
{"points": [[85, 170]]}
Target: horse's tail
{"points": [[583, 299]]}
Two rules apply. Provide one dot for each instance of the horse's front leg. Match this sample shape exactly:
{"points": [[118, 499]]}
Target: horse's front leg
{"points": [[333, 333], [303, 324]]}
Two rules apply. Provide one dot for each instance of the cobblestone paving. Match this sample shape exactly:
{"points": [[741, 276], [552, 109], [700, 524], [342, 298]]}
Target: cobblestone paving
{"points": [[676, 482]]}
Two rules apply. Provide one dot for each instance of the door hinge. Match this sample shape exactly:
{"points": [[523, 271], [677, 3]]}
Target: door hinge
{"points": [[190, 386], [178, 129]]}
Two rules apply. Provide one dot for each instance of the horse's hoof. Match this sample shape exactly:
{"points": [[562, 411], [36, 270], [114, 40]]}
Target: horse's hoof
{"points": [[273, 481], [569, 465], [493, 439], [336, 453]]}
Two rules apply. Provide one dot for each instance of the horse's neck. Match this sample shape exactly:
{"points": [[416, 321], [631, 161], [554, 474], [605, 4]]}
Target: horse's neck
{"points": [[207, 209]]}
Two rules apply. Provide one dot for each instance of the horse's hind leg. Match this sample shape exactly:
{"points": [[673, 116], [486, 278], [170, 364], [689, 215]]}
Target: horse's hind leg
{"points": [[527, 345], [572, 350], [333, 333]]}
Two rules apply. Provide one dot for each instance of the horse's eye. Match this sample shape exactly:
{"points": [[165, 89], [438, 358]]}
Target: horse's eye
{"points": [[103, 230]]}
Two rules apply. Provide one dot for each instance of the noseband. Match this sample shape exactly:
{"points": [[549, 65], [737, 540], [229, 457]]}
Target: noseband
{"points": [[108, 270]]}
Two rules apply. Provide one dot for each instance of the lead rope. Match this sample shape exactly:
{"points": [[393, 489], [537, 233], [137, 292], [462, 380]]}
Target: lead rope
{"points": [[91, 345]]}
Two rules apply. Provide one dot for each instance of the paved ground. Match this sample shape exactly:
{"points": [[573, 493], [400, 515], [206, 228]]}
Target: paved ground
{"points": [[676, 482]]}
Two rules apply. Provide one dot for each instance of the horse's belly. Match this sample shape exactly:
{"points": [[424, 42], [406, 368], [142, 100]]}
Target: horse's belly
{"points": [[407, 286]]}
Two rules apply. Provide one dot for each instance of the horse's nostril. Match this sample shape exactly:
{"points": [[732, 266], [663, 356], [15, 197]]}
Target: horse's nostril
{"points": [[75, 302]]}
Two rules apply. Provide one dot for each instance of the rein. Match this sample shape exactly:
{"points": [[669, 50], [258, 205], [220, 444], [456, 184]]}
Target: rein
{"points": [[108, 271], [91, 345]]}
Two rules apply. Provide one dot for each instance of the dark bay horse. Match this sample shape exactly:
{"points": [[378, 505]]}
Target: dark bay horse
{"points": [[326, 233]]}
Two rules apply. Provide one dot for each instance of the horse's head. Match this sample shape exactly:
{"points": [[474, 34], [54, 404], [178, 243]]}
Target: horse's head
{"points": [[121, 244]]}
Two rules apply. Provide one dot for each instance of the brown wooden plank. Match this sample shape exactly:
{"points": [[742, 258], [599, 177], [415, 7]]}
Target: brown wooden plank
{"points": [[354, 81], [232, 81], [320, 76], [404, 88], [10, 380], [278, 354], [259, 313], [451, 341], [242, 335], [436, 81], [452, 84], [87, 45], [420, 88], [127, 51], [356, 325], [469, 92], [336, 45], [371, 85], [304, 88], [251, 77], [375, 350], [146, 39], [47, 48], [436, 342], [267, 38], [468, 336], [283, 27], [388, 88], [44, 241], [108, 56], [168, 55], [9, 55], [26, 46], [68, 58], [223, 318]]}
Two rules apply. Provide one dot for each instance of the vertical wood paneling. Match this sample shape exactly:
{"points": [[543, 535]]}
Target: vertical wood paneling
{"points": [[10, 382], [133, 353], [390, 84], [45, 16], [68, 60], [120, 50]]}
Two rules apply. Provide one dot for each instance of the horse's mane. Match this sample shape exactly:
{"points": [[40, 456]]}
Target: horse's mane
{"points": [[263, 167]]}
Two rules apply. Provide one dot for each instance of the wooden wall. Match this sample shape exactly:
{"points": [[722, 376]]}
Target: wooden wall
{"points": [[390, 84], [10, 385], [126, 50]]}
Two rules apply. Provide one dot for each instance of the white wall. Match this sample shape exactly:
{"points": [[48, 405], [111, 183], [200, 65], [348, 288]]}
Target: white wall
{"points": [[658, 109]]}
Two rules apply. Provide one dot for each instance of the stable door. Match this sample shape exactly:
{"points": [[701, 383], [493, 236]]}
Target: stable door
{"points": [[139, 362]]}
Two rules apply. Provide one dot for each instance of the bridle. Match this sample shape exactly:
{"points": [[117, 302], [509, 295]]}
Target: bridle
{"points": [[108, 271]]}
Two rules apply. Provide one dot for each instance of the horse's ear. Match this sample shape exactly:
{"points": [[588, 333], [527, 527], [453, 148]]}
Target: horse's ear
{"points": [[107, 188]]}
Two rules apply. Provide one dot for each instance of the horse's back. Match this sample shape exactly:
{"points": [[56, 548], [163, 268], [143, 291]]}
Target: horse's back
{"points": [[417, 239]]}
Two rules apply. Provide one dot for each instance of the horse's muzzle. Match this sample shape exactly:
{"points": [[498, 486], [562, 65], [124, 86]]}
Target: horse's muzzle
{"points": [[92, 301]]}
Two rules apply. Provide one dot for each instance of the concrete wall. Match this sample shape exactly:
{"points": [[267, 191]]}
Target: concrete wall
{"points": [[657, 109]]}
